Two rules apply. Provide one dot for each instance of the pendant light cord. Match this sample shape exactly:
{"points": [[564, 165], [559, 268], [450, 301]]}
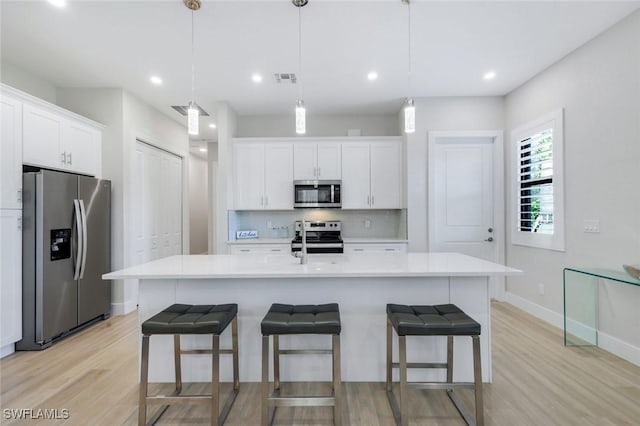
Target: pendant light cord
{"points": [[300, 51], [409, 49], [193, 62]]}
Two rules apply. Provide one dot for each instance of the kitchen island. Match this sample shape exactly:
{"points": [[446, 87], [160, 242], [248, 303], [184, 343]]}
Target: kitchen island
{"points": [[362, 284]]}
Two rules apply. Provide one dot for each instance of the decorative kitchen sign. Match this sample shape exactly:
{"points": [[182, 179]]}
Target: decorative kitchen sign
{"points": [[245, 235]]}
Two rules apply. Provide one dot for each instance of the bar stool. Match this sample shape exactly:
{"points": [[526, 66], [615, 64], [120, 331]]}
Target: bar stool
{"points": [[180, 319], [300, 319], [439, 320]]}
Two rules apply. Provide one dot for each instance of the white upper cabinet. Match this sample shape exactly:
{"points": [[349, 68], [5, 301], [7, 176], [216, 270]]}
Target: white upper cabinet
{"points": [[54, 140], [317, 161], [372, 175], [42, 135], [356, 176], [11, 153], [263, 175]]}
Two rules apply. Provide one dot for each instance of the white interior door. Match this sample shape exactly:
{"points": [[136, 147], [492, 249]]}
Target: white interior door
{"points": [[464, 213]]}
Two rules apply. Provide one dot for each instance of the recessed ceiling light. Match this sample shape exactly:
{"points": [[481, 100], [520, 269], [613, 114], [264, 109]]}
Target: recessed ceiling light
{"points": [[58, 3], [212, 125], [372, 76], [256, 78], [490, 75], [155, 80], [203, 149]]}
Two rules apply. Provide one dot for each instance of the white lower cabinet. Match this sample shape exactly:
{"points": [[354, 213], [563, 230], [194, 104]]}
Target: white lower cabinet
{"points": [[259, 248], [11, 282], [375, 247]]}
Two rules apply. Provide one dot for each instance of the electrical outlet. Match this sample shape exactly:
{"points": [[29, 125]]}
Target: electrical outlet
{"points": [[591, 226], [541, 289], [367, 223]]}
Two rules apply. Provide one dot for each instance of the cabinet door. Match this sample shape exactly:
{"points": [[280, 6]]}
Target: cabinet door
{"points": [[41, 138], [355, 176], [249, 174], [11, 276], [278, 176], [329, 160], [305, 161], [386, 176], [81, 145], [11, 154]]}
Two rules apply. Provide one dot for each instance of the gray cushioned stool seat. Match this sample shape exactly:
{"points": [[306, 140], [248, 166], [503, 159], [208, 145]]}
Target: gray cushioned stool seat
{"points": [[191, 319], [436, 320], [302, 319]]}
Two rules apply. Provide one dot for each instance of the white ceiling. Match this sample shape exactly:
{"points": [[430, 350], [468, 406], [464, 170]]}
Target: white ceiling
{"points": [[122, 43]]}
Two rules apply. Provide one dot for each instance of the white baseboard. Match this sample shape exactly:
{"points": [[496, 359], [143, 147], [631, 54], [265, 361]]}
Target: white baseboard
{"points": [[607, 342], [123, 308], [536, 310], [7, 350]]}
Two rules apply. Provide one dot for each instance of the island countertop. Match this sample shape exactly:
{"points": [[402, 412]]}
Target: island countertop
{"points": [[318, 266]]}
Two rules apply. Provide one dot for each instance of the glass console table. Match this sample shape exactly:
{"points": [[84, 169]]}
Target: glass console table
{"points": [[580, 286]]}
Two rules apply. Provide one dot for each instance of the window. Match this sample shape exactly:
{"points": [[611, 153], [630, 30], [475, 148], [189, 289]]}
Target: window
{"points": [[538, 215]]}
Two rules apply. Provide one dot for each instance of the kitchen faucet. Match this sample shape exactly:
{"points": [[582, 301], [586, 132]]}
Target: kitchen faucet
{"points": [[302, 254]]}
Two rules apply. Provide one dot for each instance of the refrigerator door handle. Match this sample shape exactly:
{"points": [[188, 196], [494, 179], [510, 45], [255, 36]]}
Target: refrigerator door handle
{"points": [[78, 260], [84, 238]]}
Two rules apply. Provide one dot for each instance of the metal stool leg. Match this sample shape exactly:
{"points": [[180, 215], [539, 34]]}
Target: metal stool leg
{"points": [[215, 379], [389, 356], [477, 376], [265, 381], [404, 394], [144, 375], [449, 359], [276, 362], [177, 363], [234, 349], [337, 381]]}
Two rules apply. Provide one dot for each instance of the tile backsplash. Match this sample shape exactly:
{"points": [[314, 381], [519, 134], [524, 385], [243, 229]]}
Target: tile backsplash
{"points": [[355, 223]]}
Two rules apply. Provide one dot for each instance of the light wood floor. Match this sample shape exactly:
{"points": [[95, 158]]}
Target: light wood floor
{"points": [[537, 381]]}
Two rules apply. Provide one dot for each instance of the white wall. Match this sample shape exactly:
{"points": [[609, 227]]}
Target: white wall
{"points": [[198, 205], [432, 114], [327, 125], [227, 130], [598, 85], [27, 82]]}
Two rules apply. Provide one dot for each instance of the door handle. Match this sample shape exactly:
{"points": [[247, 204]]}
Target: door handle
{"points": [[315, 171], [63, 158], [84, 237], [78, 260], [19, 196], [69, 159], [368, 200], [319, 172], [489, 239], [373, 200]]}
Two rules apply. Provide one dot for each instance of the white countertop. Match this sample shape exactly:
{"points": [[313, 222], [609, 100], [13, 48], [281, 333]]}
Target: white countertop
{"points": [[319, 266]]}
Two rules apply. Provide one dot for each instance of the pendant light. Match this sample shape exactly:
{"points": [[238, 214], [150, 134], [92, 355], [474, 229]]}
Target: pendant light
{"points": [[301, 112], [193, 112], [409, 105]]}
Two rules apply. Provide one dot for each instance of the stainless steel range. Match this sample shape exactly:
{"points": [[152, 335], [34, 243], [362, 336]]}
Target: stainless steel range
{"points": [[322, 237]]}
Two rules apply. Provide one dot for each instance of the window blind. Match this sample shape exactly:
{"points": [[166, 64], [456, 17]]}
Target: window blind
{"points": [[535, 178]]}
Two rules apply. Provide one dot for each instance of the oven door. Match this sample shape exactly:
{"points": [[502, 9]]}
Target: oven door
{"points": [[312, 193]]}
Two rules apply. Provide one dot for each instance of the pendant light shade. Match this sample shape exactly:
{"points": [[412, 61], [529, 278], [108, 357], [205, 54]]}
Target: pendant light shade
{"points": [[301, 119], [193, 119], [409, 116]]}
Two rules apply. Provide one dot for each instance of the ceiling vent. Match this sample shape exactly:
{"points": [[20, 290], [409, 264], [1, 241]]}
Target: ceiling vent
{"points": [[183, 110], [285, 78]]}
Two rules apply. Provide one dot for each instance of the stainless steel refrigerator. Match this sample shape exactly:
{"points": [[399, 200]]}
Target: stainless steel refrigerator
{"points": [[66, 249]]}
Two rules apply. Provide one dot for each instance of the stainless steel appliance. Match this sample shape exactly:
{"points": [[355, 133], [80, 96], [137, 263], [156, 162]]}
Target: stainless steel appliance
{"points": [[316, 193], [321, 236], [66, 249]]}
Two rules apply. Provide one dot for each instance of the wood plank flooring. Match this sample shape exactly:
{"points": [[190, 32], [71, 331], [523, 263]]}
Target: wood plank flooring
{"points": [[537, 381]]}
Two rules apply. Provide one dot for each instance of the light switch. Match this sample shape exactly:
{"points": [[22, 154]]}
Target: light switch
{"points": [[591, 226]]}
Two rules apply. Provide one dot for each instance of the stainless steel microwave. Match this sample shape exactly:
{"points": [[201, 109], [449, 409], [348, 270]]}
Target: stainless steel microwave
{"points": [[316, 193]]}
